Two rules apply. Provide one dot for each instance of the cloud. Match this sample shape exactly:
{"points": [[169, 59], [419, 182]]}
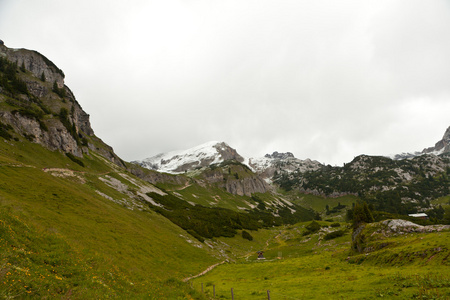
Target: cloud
{"points": [[323, 79]]}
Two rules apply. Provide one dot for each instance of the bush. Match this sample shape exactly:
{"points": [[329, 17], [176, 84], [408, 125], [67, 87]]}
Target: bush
{"points": [[196, 235], [312, 227], [335, 225], [74, 159], [4, 128], [247, 235], [334, 234]]}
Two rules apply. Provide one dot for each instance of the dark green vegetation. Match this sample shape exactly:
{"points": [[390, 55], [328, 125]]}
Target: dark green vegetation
{"points": [[208, 222], [399, 187], [9, 81]]}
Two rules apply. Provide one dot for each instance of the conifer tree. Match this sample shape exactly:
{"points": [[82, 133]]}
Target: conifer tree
{"points": [[361, 214]]}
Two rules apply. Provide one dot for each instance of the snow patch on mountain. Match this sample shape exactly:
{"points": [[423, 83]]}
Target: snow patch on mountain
{"points": [[184, 160], [439, 148]]}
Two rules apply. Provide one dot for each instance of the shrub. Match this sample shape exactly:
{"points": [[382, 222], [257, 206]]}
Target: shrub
{"points": [[312, 228], [4, 128], [247, 235], [74, 159], [335, 225], [196, 235], [334, 234], [61, 92]]}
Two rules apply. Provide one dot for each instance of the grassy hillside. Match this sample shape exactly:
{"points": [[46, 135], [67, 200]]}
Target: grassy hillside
{"points": [[65, 231]]}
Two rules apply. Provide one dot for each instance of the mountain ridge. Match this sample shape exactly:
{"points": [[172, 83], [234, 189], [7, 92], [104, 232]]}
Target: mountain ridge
{"points": [[203, 155], [441, 147]]}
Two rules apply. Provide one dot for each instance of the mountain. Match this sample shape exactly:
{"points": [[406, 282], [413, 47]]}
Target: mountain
{"points": [[75, 223], [37, 105], [274, 163], [176, 162], [190, 159], [396, 186], [79, 222], [441, 147]]}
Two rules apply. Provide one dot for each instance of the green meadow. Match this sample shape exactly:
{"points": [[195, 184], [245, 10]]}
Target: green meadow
{"points": [[413, 266]]}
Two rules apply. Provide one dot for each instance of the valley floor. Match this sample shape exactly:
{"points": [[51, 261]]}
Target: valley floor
{"points": [[306, 268]]}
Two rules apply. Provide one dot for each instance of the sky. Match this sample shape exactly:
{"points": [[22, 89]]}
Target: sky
{"points": [[326, 80]]}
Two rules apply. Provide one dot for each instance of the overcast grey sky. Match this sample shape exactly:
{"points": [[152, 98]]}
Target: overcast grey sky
{"points": [[323, 79]]}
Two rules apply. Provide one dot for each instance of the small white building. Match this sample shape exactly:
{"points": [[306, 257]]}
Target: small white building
{"points": [[419, 215]]}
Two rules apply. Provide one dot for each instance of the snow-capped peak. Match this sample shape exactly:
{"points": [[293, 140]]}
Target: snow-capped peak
{"points": [[183, 160]]}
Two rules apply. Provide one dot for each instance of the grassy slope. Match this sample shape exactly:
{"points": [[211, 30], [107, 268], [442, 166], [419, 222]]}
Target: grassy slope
{"points": [[55, 227], [415, 266], [318, 203]]}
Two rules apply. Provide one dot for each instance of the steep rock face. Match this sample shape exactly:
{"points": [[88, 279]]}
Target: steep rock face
{"points": [[44, 114], [247, 186], [236, 179], [36, 63], [442, 146]]}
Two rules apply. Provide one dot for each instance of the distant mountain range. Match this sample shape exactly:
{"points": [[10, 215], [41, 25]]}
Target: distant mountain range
{"points": [[176, 162]]}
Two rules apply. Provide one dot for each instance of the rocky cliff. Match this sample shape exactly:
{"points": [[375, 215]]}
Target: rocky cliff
{"points": [[35, 63], [443, 146], [37, 106], [235, 178]]}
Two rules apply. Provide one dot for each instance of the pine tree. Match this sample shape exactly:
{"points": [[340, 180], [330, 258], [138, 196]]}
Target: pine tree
{"points": [[361, 214], [43, 77]]}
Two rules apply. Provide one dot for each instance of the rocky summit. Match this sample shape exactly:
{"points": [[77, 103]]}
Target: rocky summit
{"points": [[38, 106], [441, 147], [191, 159]]}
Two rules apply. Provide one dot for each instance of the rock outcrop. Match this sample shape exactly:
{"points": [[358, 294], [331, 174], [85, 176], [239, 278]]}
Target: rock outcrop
{"points": [[45, 111], [443, 146], [228, 178], [36, 63], [247, 186]]}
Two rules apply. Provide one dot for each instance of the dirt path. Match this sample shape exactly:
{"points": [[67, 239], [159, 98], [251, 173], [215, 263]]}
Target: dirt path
{"points": [[206, 271], [244, 256]]}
